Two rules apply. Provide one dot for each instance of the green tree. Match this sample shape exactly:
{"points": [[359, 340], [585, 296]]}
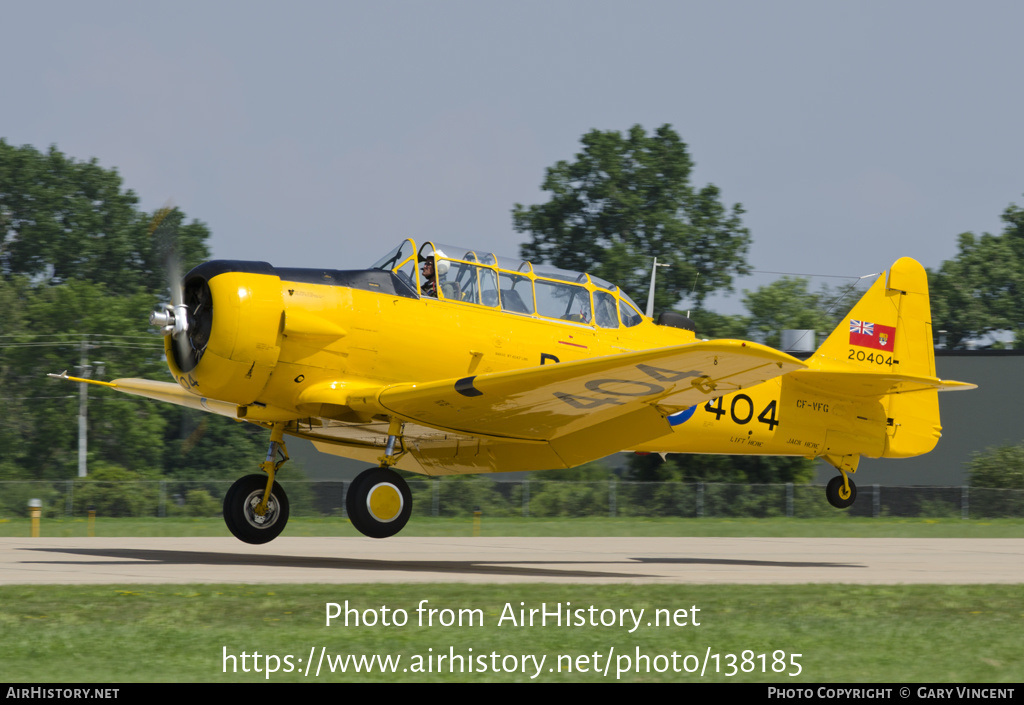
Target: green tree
{"points": [[997, 481], [80, 264], [710, 325], [200, 446], [788, 304], [13, 327], [745, 469], [61, 219], [783, 304], [59, 320], [595, 471], [982, 289], [627, 199], [1001, 467]]}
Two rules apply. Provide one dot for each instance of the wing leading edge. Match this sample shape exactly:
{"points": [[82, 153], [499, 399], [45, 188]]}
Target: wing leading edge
{"points": [[161, 391]]}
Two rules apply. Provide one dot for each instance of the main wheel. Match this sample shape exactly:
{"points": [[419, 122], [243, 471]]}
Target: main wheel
{"points": [[837, 495], [379, 502], [240, 510]]}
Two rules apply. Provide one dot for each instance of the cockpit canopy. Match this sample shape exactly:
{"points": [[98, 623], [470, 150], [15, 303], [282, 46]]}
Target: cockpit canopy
{"points": [[514, 286]]}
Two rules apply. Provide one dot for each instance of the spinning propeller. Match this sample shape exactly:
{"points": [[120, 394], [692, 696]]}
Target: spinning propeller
{"points": [[189, 316]]}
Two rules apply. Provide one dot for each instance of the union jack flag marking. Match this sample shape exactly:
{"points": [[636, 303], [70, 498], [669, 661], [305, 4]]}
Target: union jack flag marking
{"points": [[862, 327], [872, 335]]}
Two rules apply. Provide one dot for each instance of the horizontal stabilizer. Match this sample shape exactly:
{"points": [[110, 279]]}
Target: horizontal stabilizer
{"points": [[873, 384]]}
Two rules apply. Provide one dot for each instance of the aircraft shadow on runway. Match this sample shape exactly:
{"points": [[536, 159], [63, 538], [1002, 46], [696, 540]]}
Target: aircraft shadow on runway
{"points": [[519, 568]]}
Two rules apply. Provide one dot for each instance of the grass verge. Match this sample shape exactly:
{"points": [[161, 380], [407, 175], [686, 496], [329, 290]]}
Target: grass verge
{"points": [[843, 633]]}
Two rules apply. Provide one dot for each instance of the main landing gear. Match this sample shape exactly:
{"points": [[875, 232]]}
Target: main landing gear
{"points": [[378, 501], [256, 507]]}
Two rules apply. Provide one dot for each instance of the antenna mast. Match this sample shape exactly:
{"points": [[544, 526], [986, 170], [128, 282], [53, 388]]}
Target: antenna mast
{"points": [[650, 294]]}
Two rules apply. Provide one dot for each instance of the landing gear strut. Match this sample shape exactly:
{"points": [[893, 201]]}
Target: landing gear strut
{"points": [[256, 507], [378, 501]]}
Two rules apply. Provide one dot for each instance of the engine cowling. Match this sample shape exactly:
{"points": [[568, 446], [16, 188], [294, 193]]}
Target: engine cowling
{"points": [[235, 312]]}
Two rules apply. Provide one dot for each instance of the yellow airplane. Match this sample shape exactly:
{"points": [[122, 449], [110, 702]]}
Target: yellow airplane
{"points": [[441, 360]]}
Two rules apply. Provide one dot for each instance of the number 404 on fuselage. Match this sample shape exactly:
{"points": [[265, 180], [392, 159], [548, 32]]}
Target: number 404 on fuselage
{"points": [[442, 360]]}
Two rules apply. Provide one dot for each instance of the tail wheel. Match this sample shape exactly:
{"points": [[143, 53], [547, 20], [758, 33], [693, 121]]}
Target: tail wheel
{"points": [[379, 503], [837, 494], [240, 513]]}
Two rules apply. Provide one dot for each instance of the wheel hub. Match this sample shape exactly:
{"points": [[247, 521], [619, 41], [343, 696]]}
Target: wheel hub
{"points": [[385, 502], [268, 518]]}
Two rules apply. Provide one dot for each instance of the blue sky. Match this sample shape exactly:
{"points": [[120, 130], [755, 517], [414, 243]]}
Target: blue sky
{"points": [[322, 133]]}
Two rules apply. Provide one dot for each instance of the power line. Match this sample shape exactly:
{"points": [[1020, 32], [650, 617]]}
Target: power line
{"points": [[797, 274], [78, 336], [66, 396], [65, 343]]}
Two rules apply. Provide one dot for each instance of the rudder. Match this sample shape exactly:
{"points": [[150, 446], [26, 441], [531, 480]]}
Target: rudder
{"points": [[887, 336]]}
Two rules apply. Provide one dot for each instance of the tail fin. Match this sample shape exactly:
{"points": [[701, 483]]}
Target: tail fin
{"points": [[888, 331], [883, 349]]}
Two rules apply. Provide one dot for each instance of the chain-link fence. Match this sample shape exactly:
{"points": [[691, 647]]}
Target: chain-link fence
{"points": [[461, 496]]}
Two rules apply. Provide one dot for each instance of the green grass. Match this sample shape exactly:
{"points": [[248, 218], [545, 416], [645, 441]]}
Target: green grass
{"points": [[839, 526], [880, 634]]}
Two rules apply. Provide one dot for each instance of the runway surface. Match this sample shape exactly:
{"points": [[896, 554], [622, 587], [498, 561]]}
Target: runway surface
{"points": [[511, 560]]}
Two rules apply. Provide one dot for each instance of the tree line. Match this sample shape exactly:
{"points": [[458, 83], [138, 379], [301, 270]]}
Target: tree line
{"points": [[79, 272]]}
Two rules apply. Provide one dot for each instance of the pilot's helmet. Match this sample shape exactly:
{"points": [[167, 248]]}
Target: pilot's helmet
{"points": [[441, 264]]}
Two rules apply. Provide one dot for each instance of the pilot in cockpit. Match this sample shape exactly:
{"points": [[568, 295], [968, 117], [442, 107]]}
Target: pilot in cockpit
{"points": [[429, 280], [432, 272]]}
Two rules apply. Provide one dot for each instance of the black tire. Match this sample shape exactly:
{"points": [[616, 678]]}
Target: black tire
{"points": [[379, 503], [833, 492], [239, 505]]}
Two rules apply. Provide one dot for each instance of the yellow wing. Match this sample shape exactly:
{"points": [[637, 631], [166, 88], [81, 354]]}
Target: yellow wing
{"points": [[546, 402], [565, 414]]}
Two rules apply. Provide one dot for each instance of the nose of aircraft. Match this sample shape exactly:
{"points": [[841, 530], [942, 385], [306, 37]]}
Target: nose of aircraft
{"points": [[189, 321]]}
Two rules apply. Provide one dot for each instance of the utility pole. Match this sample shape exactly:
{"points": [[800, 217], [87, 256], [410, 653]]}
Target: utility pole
{"points": [[83, 408], [83, 412]]}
